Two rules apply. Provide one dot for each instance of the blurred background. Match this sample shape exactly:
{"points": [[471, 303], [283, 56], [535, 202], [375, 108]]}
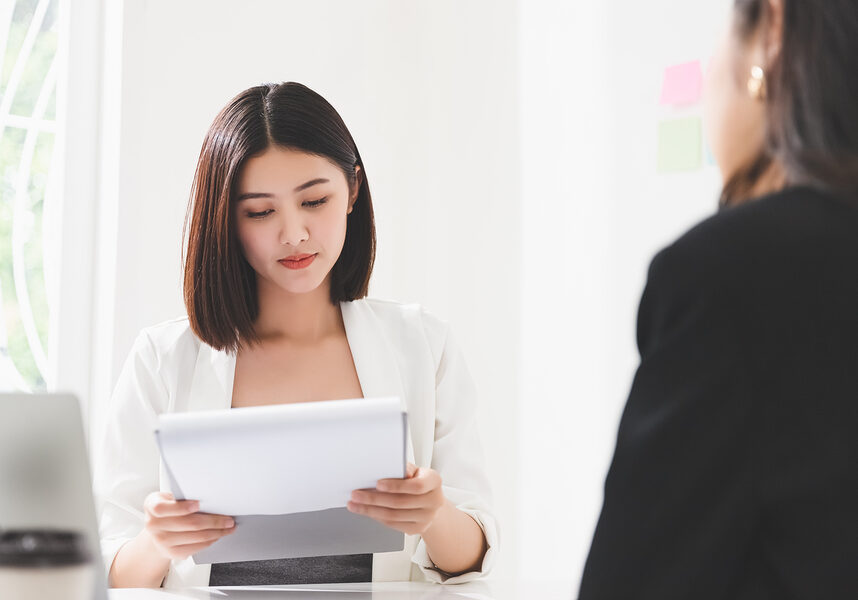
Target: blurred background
{"points": [[526, 157]]}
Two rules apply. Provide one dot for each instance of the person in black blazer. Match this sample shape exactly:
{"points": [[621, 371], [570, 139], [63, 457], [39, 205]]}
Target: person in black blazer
{"points": [[735, 473]]}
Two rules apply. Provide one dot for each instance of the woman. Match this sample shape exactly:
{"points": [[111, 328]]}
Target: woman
{"points": [[281, 243], [734, 474]]}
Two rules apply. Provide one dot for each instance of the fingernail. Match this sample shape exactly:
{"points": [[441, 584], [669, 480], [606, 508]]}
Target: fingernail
{"points": [[195, 506], [230, 523], [351, 506], [381, 486]]}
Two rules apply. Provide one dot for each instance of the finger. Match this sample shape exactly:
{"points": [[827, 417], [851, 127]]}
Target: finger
{"points": [[156, 498], [183, 552], [423, 481], [171, 539], [406, 528], [401, 486], [161, 507], [371, 497], [410, 471], [195, 522], [380, 513]]}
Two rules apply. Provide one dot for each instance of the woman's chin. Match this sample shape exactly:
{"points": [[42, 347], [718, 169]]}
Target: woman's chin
{"points": [[299, 288]]}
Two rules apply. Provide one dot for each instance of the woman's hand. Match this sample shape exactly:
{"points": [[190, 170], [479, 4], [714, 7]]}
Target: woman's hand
{"points": [[177, 530], [409, 505]]}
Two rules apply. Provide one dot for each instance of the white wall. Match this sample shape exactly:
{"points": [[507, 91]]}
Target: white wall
{"points": [[429, 93], [594, 213]]}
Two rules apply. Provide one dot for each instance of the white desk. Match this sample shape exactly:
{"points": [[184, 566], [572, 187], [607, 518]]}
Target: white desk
{"points": [[492, 590]]}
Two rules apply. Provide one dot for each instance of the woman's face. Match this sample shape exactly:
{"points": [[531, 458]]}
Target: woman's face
{"points": [[735, 121], [290, 216]]}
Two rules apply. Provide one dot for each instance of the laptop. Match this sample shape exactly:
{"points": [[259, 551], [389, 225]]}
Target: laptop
{"points": [[45, 480]]}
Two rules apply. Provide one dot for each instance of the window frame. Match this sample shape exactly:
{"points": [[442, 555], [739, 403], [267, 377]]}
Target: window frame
{"points": [[80, 91]]}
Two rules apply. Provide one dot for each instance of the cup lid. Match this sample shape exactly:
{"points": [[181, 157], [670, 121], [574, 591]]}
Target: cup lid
{"points": [[42, 548]]}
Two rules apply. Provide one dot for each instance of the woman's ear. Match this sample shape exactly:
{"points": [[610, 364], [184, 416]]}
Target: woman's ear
{"points": [[353, 196], [773, 38]]}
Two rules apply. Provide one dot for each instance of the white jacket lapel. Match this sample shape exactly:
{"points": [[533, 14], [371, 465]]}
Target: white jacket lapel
{"points": [[213, 378], [373, 355]]}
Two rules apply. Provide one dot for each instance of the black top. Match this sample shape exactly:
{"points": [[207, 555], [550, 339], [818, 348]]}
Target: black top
{"points": [[736, 468]]}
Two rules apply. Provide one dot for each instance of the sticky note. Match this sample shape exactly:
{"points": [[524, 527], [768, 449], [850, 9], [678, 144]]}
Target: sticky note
{"points": [[679, 145], [683, 84]]}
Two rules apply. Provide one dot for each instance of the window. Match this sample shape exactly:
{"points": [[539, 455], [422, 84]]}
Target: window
{"points": [[29, 202]]}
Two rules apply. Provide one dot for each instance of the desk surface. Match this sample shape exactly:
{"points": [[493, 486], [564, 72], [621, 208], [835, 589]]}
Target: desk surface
{"points": [[492, 590]]}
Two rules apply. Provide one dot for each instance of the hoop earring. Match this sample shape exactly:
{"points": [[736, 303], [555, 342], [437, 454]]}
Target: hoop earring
{"points": [[757, 83]]}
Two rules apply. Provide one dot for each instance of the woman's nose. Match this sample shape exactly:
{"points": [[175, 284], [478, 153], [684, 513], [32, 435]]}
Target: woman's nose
{"points": [[293, 230]]}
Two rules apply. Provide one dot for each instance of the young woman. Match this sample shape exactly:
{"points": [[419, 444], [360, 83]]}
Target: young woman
{"points": [[735, 473], [281, 243]]}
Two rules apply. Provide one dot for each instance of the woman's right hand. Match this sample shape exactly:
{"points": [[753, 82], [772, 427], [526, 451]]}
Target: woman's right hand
{"points": [[177, 530]]}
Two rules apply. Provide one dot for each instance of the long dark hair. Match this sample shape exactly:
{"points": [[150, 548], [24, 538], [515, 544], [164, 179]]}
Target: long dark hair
{"points": [[812, 96], [219, 284]]}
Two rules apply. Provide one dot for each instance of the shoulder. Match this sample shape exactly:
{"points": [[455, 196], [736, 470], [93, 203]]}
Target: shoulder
{"points": [[171, 341], [776, 236], [399, 313], [403, 321], [754, 266]]}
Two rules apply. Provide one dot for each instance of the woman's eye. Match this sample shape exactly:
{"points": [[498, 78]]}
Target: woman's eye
{"points": [[260, 214], [314, 203]]}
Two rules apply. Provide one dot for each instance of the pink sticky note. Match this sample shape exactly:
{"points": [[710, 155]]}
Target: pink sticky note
{"points": [[683, 83]]}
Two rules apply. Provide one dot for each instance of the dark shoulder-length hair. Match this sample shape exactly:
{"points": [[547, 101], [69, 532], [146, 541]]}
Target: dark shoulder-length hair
{"points": [[219, 284], [811, 96]]}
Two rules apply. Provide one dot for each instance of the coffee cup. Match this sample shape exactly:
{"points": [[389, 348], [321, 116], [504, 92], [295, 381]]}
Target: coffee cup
{"points": [[41, 564]]}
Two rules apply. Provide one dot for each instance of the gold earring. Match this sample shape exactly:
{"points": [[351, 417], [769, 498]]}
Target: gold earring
{"points": [[757, 83]]}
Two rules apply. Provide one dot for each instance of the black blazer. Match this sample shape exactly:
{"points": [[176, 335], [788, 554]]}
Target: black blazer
{"points": [[735, 473]]}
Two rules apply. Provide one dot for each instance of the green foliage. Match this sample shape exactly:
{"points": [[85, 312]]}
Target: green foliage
{"points": [[39, 60], [11, 149]]}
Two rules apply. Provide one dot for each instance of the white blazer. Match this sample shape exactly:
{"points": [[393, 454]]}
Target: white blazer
{"points": [[398, 350]]}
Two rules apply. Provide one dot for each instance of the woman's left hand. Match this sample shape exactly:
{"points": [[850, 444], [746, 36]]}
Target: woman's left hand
{"points": [[409, 505]]}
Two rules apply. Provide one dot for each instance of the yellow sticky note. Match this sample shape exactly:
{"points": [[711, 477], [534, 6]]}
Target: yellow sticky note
{"points": [[680, 145]]}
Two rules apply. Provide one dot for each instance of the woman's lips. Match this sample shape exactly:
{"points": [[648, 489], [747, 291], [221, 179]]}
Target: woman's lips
{"points": [[297, 261]]}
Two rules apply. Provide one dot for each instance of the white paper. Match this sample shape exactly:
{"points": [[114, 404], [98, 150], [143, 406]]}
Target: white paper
{"points": [[276, 460]]}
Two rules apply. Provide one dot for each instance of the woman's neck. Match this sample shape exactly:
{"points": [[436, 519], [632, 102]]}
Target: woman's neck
{"points": [[296, 317], [773, 179]]}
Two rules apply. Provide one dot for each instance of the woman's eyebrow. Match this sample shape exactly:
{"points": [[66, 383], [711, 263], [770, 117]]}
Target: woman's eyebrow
{"points": [[250, 195], [310, 183], [300, 188]]}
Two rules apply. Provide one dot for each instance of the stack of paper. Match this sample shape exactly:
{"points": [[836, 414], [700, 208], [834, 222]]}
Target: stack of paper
{"points": [[286, 472]]}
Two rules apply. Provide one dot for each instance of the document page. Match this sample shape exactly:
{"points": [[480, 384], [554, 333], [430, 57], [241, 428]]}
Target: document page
{"points": [[276, 460]]}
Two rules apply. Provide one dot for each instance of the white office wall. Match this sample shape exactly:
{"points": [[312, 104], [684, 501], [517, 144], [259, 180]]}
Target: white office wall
{"points": [[566, 414], [594, 212], [429, 91]]}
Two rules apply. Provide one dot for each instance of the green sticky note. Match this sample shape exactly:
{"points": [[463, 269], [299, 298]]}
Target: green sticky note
{"points": [[679, 145]]}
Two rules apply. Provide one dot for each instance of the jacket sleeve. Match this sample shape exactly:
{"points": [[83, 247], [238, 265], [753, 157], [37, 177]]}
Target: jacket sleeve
{"points": [[457, 456], [677, 497], [127, 469]]}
